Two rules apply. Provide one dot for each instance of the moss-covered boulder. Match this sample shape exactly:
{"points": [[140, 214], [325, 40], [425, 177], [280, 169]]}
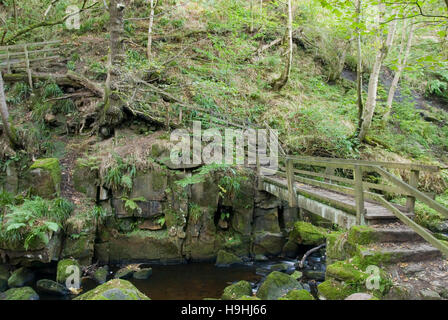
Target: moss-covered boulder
{"points": [[268, 243], [237, 290], [20, 278], [142, 274], [100, 274], [44, 178], [308, 234], [51, 287], [276, 285], [226, 259], [297, 295], [339, 248], [334, 290], [64, 270], [362, 235], [116, 289], [24, 293], [346, 271]]}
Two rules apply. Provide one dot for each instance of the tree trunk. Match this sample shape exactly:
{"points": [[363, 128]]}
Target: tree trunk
{"points": [[359, 66], [153, 4], [404, 54], [281, 82], [112, 113], [5, 116], [370, 106]]}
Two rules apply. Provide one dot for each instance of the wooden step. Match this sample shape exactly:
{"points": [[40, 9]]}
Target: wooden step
{"points": [[377, 214], [390, 253], [396, 234]]}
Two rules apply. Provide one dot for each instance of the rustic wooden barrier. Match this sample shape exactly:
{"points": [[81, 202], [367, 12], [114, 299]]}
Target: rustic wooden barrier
{"points": [[27, 54]]}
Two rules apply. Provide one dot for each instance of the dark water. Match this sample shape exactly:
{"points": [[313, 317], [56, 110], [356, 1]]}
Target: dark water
{"points": [[193, 281]]}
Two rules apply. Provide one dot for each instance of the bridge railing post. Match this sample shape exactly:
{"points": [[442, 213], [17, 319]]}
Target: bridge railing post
{"points": [[359, 195], [413, 182], [292, 196]]}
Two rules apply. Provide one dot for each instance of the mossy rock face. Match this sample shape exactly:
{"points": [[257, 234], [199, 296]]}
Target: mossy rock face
{"points": [[268, 243], [226, 259], [25, 293], [362, 235], [276, 285], [334, 290], [297, 295], [308, 234], [20, 277], [4, 276], [116, 289], [85, 178], [45, 178], [237, 290], [51, 287], [100, 274], [63, 271], [345, 271], [339, 248]]}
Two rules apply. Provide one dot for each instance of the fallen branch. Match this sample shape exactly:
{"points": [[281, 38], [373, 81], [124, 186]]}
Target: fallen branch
{"points": [[305, 256]]}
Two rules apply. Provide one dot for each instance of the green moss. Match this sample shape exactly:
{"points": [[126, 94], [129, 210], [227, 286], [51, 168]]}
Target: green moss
{"points": [[334, 290], [339, 248], [361, 235], [237, 290], [249, 298], [116, 289], [226, 258], [276, 285], [24, 293], [61, 274], [297, 295], [52, 166], [308, 234], [346, 271]]}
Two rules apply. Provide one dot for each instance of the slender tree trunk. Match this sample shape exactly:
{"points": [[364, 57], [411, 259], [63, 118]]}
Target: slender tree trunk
{"points": [[281, 82], [404, 54], [5, 116], [359, 66], [112, 113], [153, 4], [370, 106]]}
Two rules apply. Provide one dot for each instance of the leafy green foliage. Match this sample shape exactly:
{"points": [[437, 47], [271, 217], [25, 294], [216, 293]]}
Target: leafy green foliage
{"points": [[31, 223]]}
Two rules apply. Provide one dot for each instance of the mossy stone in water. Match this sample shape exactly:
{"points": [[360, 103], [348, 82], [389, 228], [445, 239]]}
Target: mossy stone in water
{"points": [[308, 234], [116, 289], [51, 287], [143, 274], [276, 285], [64, 269], [24, 293], [226, 259], [297, 295], [237, 290], [20, 278], [100, 275]]}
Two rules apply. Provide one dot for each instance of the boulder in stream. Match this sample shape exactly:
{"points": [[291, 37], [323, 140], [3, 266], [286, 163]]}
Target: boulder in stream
{"points": [[20, 278], [297, 295], [143, 274], [276, 285], [237, 290], [226, 259], [51, 287], [116, 289], [65, 269], [100, 274]]}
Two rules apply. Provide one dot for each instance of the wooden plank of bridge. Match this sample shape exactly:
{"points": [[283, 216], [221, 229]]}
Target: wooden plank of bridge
{"points": [[413, 182], [292, 197]]}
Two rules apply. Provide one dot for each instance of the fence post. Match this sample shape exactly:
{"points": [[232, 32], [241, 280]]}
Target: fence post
{"points": [[28, 69], [292, 196], [359, 196], [413, 182], [8, 65]]}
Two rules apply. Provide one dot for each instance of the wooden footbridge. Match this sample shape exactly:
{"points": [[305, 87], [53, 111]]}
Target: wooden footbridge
{"points": [[335, 189]]}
